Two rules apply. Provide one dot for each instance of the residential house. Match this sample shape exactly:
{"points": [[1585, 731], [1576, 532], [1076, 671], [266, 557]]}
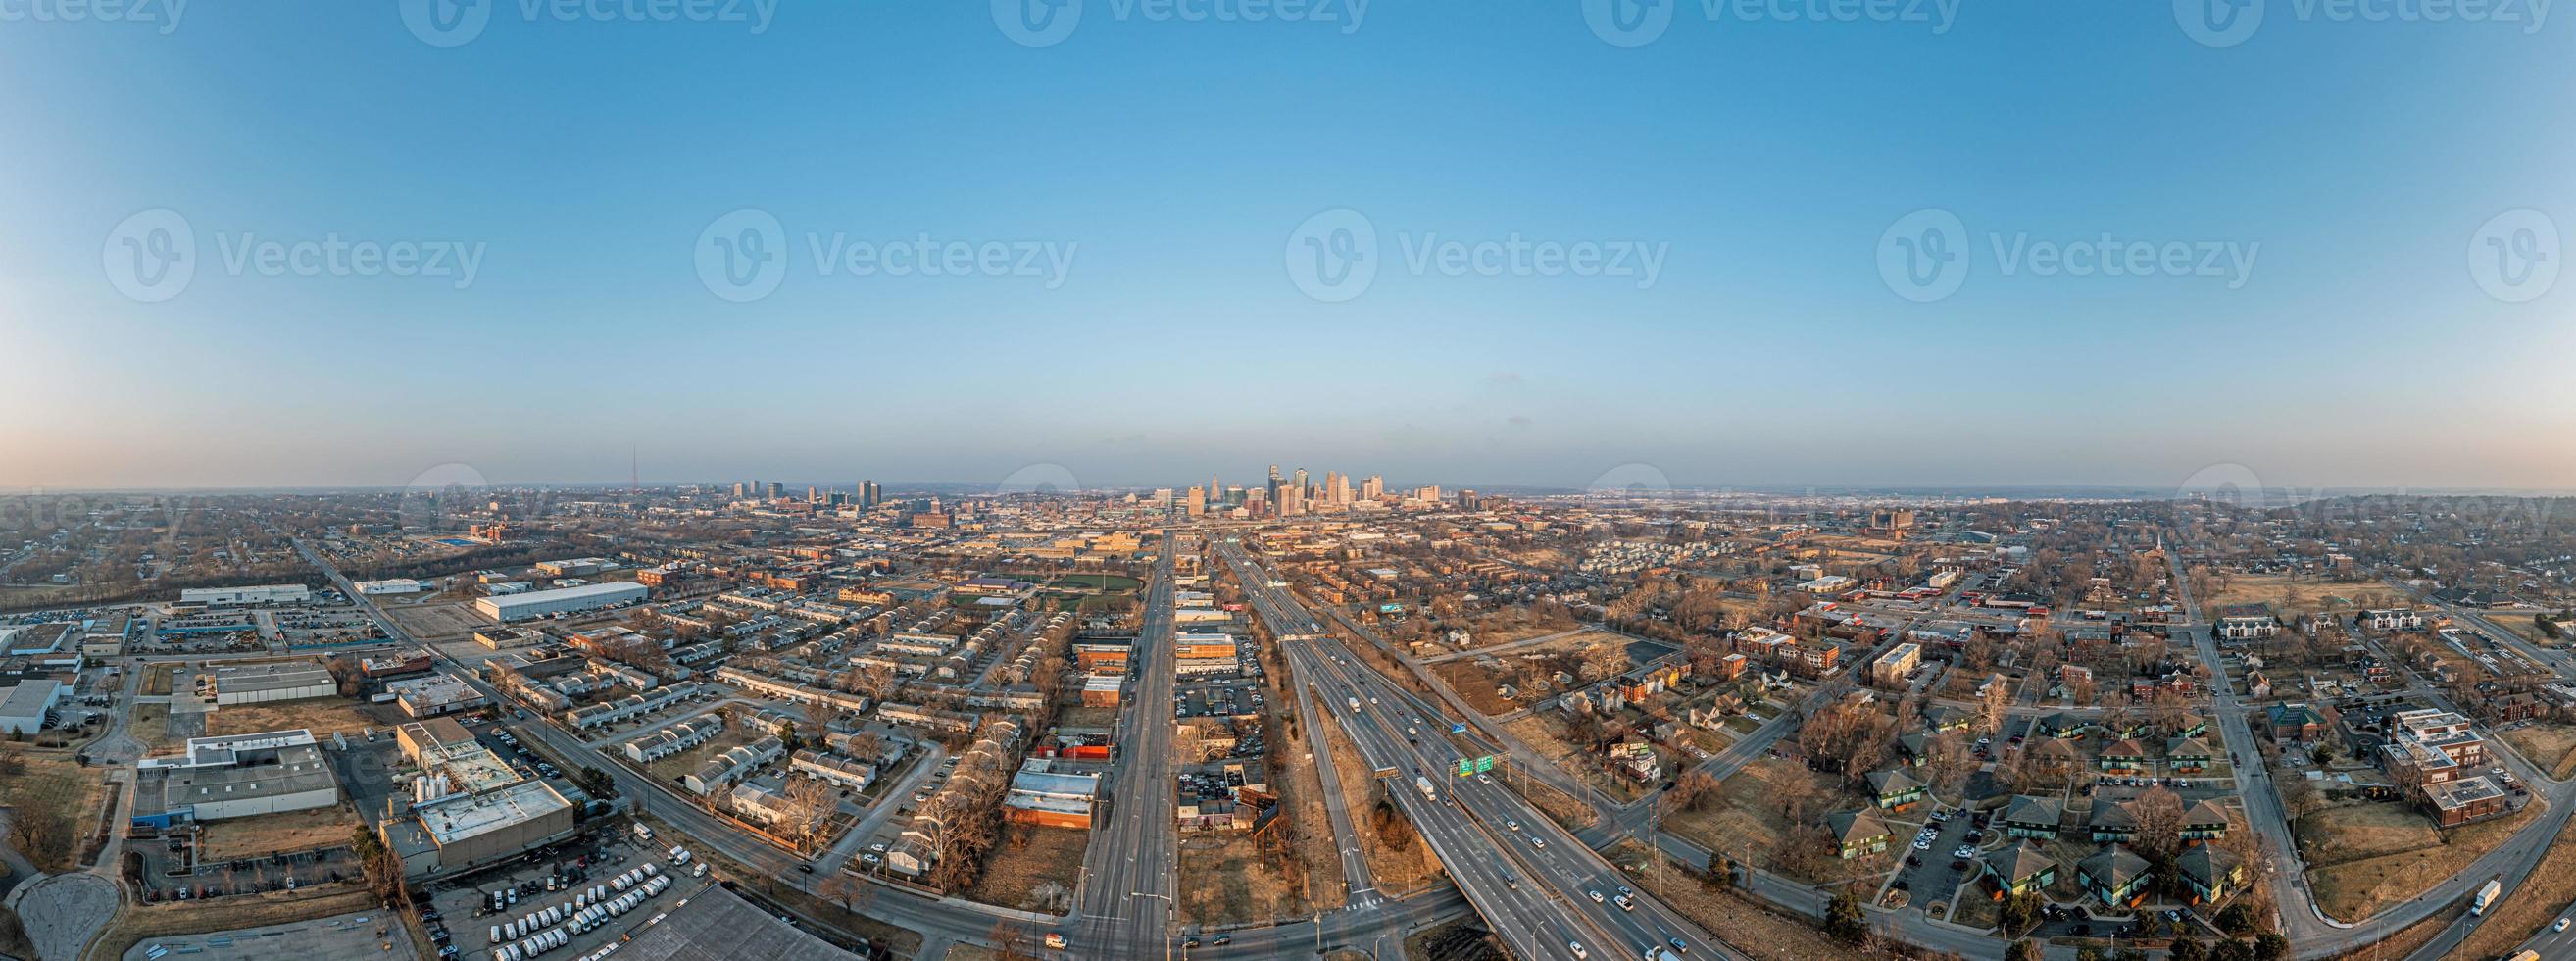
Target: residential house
{"points": [[2211, 872], [2020, 869], [1894, 789], [1857, 834], [2033, 817], [2116, 876]]}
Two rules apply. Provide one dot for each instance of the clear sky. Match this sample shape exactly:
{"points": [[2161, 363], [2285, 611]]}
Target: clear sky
{"points": [[1740, 244]]}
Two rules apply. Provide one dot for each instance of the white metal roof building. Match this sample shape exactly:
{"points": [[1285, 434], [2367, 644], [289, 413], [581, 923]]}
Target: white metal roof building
{"points": [[588, 597], [245, 596], [23, 707]]}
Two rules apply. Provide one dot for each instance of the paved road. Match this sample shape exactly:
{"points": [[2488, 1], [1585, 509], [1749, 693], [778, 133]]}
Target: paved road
{"points": [[1537, 895], [1128, 879], [1346, 837]]}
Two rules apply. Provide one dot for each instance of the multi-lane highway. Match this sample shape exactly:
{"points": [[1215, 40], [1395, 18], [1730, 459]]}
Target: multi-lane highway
{"points": [[1537, 895], [1128, 872]]}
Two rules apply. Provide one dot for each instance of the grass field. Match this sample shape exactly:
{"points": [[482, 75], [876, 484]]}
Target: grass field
{"points": [[2357, 889], [1746, 821], [61, 789], [2289, 595], [1476, 683], [2551, 746], [1103, 582], [235, 838], [2355, 831], [2523, 623], [1026, 857]]}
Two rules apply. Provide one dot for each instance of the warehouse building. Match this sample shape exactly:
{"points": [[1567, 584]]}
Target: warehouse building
{"points": [[398, 585], [240, 775], [461, 832], [247, 596], [587, 597], [23, 707], [435, 695], [269, 683]]}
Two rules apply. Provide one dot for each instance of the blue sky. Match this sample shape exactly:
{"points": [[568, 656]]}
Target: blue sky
{"points": [[2336, 173]]}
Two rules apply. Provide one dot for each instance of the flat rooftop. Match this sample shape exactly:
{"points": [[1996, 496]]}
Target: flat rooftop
{"points": [[452, 821]]}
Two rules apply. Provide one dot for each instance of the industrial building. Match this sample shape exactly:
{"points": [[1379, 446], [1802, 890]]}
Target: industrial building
{"points": [[398, 585], [505, 638], [587, 597], [575, 567], [435, 695], [464, 831], [269, 683], [247, 596], [241, 775], [23, 706]]}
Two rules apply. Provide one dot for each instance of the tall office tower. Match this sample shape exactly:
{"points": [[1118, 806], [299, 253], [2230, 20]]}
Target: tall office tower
{"points": [[756, 488], [1272, 489], [737, 491], [1341, 489], [1301, 483], [1256, 500], [813, 494], [1198, 502], [1215, 494], [1162, 497], [870, 495], [1374, 488], [1331, 479], [1431, 493], [777, 490]]}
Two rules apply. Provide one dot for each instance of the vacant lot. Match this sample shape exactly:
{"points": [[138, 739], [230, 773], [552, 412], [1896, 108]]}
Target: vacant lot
{"points": [[60, 792], [2523, 623], [2357, 889], [2358, 830], [150, 727], [2550, 746], [135, 923], [324, 715], [1030, 858], [1223, 881], [1749, 818], [1477, 683], [157, 678], [2289, 595], [236, 838]]}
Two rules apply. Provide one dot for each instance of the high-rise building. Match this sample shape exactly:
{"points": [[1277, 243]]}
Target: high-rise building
{"points": [[1198, 502], [1375, 487], [777, 490], [870, 495]]}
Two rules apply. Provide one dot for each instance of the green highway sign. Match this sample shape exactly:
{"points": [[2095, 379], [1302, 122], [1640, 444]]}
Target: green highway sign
{"points": [[1484, 764], [1466, 766]]}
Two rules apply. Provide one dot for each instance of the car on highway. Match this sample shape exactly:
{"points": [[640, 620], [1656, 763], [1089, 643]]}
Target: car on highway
{"points": [[1537, 842], [1678, 946], [2560, 926], [1577, 948], [1594, 895], [1512, 824]]}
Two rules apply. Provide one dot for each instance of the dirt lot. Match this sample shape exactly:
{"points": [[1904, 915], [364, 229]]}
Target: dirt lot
{"points": [[1477, 684], [2356, 889], [1027, 857], [1224, 882], [237, 838], [1514, 624], [58, 786], [150, 727], [1744, 925], [1399, 870], [324, 715], [441, 622], [157, 678], [2550, 746]]}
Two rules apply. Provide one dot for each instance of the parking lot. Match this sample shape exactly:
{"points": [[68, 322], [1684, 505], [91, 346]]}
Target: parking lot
{"points": [[1928, 875], [372, 934], [460, 913]]}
